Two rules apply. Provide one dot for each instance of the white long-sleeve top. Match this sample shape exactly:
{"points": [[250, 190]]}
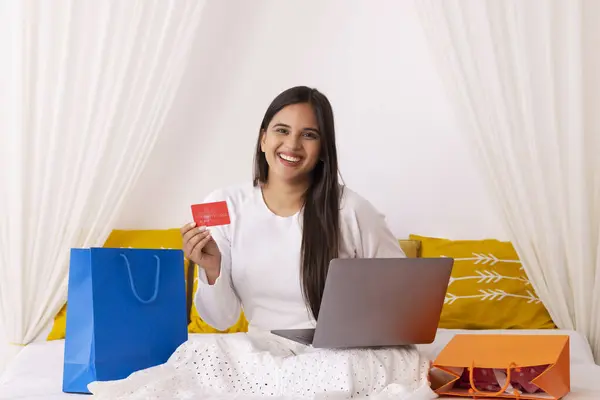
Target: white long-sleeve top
{"points": [[260, 259]]}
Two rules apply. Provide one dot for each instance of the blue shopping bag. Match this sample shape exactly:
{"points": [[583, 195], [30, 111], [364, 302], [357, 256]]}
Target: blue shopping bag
{"points": [[126, 311]]}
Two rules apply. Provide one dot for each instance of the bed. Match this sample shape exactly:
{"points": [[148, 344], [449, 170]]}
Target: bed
{"points": [[36, 373]]}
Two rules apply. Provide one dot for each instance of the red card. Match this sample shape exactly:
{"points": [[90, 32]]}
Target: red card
{"points": [[211, 214]]}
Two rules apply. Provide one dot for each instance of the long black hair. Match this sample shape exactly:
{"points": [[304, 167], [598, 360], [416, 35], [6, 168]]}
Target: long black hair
{"points": [[321, 220]]}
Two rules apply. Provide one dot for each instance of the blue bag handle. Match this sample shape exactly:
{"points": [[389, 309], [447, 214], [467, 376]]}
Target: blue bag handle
{"points": [[135, 293]]}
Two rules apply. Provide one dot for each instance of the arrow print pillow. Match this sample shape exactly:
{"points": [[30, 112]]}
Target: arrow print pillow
{"points": [[489, 288]]}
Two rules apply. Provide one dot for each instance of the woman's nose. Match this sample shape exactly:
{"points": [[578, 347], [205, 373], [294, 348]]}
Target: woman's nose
{"points": [[294, 141]]}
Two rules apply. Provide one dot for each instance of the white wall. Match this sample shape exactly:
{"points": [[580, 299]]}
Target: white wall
{"points": [[399, 145]]}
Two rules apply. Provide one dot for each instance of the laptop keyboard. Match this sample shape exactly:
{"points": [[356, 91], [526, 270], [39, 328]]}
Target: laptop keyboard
{"points": [[306, 336]]}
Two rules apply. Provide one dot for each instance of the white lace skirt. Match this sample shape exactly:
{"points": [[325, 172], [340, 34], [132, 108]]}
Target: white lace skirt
{"points": [[259, 365]]}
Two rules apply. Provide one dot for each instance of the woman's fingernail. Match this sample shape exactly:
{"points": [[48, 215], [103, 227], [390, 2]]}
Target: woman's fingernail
{"points": [[192, 224], [202, 229]]}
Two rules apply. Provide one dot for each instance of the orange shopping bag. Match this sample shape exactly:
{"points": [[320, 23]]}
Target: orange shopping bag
{"points": [[503, 366]]}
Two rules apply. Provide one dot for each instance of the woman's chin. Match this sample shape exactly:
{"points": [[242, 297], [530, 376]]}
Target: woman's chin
{"points": [[290, 176]]}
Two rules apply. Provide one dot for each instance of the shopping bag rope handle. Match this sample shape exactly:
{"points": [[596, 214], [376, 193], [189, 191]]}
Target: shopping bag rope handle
{"points": [[501, 391], [156, 281]]}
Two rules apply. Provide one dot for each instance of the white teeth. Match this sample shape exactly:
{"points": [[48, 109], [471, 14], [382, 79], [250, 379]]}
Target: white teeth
{"points": [[289, 158]]}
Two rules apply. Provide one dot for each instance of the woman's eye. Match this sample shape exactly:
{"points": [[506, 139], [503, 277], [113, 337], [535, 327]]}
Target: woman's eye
{"points": [[310, 135], [283, 131]]}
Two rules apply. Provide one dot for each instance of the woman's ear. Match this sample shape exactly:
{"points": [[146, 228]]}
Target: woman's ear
{"points": [[263, 139]]}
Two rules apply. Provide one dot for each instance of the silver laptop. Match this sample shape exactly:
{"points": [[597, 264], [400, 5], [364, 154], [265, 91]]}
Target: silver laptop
{"points": [[377, 302]]}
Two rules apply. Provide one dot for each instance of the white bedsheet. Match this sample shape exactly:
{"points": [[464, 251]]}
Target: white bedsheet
{"points": [[36, 373]]}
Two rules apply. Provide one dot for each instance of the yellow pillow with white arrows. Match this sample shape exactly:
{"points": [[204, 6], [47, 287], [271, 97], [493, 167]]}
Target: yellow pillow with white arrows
{"points": [[489, 288]]}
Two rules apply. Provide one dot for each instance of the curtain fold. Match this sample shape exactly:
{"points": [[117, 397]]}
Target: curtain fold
{"points": [[523, 78], [89, 86]]}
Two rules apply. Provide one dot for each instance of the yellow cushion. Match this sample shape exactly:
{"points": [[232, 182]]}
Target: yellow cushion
{"points": [[488, 289], [60, 325], [148, 239], [411, 248]]}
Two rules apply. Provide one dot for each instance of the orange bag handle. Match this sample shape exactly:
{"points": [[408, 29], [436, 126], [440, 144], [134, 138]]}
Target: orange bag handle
{"points": [[474, 390]]}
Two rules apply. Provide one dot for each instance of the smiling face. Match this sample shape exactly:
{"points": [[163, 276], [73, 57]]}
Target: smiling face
{"points": [[292, 143]]}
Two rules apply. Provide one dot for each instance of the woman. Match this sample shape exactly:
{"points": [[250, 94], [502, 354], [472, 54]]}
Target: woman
{"points": [[287, 226], [271, 261]]}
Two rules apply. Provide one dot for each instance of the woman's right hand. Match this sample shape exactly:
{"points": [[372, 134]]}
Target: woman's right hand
{"points": [[200, 248]]}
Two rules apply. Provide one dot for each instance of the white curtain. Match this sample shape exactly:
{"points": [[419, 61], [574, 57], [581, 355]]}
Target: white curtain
{"points": [[87, 85], [524, 80]]}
